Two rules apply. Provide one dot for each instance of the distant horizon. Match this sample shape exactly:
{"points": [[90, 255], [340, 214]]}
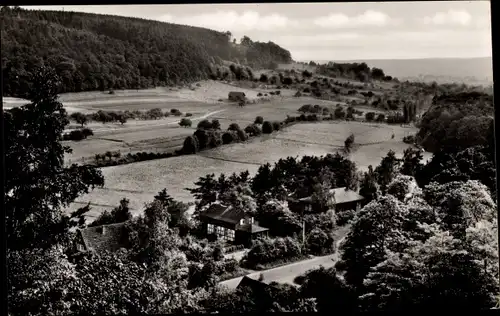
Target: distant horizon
{"points": [[389, 59]]}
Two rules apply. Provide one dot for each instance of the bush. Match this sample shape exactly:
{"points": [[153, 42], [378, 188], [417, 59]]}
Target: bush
{"points": [[215, 124], [175, 112], [381, 118], [205, 124], [267, 127], [268, 250], [233, 127], [189, 114], [276, 126], [370, 116], [345, 217], [228, 138], [349, 142], [339, 113], [259, 120], [242, 135], [185, 122], [312, 118], [253, 130], [75, 135], [319, 242], [259, 94], [191, 145], [87, 132], [306, 90], [410, 139], [263, 78]]}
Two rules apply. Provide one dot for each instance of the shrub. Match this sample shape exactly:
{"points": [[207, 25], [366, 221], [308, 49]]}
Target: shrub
{"points": [[242, 135], [205, 124], [267, 127], [339, 113], [277, 92], [370, 116], [228, 138], [263, 78], [259, 120], [185, 122], [380, 117], [191, 145], [268, 250], [189, 114], [306, 90], [349, 142], [306, 108], [87, 132], [345, 217], [287, 81], [215, 124], [312, 118], [410, 139], [276, 126], [259, 94], [233, 127], [253, 130], [175, 112], [319, 242]]}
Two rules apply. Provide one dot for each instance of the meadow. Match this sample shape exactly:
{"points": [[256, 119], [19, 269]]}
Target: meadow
{"points": [[139, 182]]}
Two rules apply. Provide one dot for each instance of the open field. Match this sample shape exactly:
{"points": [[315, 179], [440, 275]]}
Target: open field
{"points": [[140, 181]]}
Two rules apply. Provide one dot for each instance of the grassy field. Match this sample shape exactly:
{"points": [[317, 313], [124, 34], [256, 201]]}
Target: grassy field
{"points": [[140, 181]]}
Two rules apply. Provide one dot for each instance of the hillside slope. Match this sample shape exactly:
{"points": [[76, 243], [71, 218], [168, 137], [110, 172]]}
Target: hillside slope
{"points": [[100, 52]]}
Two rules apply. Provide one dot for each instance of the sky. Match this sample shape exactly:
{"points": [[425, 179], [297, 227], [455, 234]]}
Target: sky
{"points": [[336, 31]]}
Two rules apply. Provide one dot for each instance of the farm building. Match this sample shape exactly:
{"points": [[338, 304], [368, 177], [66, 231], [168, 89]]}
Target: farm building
{"points": [[236, 96], [231, 225], [342, 199], [100, 238]]}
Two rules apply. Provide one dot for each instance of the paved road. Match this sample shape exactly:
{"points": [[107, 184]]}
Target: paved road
{"points": [[286, 274]]}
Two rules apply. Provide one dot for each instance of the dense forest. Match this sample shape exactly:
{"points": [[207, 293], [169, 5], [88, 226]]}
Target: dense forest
{"points": [[100, 52], [457, 120]]}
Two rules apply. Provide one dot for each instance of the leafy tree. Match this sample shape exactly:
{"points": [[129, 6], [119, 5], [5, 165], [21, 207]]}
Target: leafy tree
{"points": [[411, 164], [370, 116], [267, 127], [387, 170], [368, 187], [259, 120], [37, 185], [330, 292], [123, 119], [119, 214], [233, 127], [348, 143], [215, 124], [185, 122], [205, 191], [205, 124], [191, 145], [80, 118]]}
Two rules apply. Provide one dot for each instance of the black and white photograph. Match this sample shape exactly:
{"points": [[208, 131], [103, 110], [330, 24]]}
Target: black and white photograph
{"points": [[329, 157]]}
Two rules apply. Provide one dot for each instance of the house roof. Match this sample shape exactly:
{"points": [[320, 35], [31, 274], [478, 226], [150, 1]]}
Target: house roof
{"points": [[110, 240], [255, 285], [341, 196], [224, 213], [252, 228]]}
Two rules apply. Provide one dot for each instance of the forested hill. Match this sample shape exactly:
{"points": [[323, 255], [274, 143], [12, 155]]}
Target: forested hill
{"points": [[100, 52]]}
